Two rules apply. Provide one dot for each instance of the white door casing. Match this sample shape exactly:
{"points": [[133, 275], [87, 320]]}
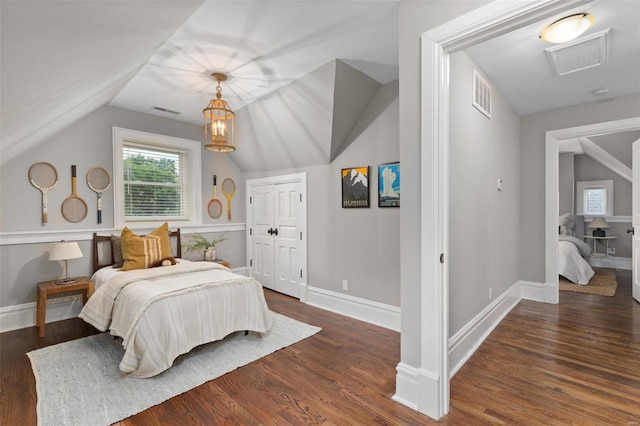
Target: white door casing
{"points": [[276, 233], [635, 212]]}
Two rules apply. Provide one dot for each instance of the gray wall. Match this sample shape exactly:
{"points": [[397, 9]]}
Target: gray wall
{"points": [[86, 143], [586, 168], [484, 226], [565, 183], [532, 166], [361, 245]]}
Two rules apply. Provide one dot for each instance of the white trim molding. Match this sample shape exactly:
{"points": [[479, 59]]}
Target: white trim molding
{"points": [[34, 237], [469, 338], [481, 24], [533, 291], [376, 313]]}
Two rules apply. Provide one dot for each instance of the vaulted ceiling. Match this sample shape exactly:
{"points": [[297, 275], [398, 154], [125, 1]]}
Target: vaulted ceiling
{"points": [[62, 60]]}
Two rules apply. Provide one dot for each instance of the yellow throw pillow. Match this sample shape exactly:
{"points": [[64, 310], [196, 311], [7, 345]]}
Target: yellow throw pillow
{"points": [[141, 252], [165, 244]]}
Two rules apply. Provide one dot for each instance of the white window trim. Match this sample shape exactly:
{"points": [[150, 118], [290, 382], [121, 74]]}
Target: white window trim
{"points": [[580, 187], [194, 183]]}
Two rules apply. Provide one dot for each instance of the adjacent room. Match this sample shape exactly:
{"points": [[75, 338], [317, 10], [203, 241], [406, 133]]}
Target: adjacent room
{"points": [[319, 212]]}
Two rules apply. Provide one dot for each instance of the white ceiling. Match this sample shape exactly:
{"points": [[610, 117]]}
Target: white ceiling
{"points": [[517, 64], [63, 59], [261, 45]]}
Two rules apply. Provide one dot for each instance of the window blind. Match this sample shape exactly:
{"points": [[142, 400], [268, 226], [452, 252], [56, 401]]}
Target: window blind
{"points": [[155, 183]]}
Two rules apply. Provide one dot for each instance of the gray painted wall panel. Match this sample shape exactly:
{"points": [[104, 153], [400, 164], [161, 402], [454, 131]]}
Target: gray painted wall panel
{"points": [[484, 222], [565, 183]]}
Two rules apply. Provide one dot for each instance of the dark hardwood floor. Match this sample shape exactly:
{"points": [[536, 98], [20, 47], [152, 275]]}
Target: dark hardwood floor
{"points": [[577, 362]]}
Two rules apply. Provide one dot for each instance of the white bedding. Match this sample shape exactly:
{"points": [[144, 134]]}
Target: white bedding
{"points": [[164, 312], [572, 265]]}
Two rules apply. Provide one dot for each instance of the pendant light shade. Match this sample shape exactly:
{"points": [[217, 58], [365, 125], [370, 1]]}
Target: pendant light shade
{"points": [[218, 121]]}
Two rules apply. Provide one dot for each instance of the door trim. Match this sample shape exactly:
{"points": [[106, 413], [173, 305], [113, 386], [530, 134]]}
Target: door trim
{"points": [[552, 139], [274, 180]]}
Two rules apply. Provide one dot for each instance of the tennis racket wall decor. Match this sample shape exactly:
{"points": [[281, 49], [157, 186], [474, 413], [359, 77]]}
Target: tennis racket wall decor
{"points": [[229, 190], [99, 180], [74, 208], [215, 206], [44, 177]]}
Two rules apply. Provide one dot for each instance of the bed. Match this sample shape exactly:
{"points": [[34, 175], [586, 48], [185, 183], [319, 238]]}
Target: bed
{"points": [[573, 251], [163, 312]]}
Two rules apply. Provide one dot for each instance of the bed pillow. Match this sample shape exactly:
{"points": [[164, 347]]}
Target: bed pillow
{"points": [[163, 233], [116, 251], [562, 223], [139, 252]]}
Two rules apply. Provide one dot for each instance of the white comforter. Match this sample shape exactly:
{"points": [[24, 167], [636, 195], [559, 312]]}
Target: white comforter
{"points": [[572, 265], [164, 312]]}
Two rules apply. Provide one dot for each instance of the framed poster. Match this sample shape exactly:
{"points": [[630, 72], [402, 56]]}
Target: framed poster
{"points": [[389, 185], [355, 187]]}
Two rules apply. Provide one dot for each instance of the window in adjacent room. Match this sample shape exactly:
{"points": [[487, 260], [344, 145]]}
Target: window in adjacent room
{"points": [[155, 178], [594, 197]]}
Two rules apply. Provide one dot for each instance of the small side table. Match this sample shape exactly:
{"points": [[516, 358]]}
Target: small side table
{"points": [[600, 239], [45, 288], [222, 262]]}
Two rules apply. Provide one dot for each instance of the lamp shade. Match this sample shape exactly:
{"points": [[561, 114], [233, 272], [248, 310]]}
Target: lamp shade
{"points": [[65, 251], [598, 223]]}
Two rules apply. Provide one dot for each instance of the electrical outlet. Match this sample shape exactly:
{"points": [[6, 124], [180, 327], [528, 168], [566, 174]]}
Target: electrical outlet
{"points": [[345, 285], [490, 293], [611, 250]]}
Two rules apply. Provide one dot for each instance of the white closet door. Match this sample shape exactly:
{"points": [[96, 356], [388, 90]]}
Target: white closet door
{"points": [[261, 240], [287, 239], [635, 226]]}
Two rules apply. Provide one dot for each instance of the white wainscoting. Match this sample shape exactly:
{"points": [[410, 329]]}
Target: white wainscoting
{"points": [[469, 338], [380, 314], [60, 308]]}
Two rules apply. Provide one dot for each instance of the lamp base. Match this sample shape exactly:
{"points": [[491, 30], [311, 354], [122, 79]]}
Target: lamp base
{"points": [[598, 232], [66, 281]]}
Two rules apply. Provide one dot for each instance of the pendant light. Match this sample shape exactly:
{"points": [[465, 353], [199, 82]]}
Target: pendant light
{"points": [[218, 121]]}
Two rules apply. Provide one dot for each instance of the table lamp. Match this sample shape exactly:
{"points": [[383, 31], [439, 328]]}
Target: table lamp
{"points": [[598, 224], [64, 251]]}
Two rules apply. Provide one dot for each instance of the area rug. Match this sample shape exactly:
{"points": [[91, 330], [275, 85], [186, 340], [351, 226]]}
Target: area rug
{"points": [[78, 382], [603, 283]]}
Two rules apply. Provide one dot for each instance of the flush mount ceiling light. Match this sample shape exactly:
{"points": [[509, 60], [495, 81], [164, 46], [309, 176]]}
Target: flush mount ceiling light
{"points": [[567, 28], [218, 121]]}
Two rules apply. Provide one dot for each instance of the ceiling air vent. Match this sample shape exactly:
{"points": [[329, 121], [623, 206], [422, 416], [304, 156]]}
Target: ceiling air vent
{"points": [[581, 54], [170, 111], [481, 94]]}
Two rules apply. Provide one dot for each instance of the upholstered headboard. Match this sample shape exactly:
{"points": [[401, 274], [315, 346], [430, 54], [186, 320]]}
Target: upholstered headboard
{"points": [[103, 249]]}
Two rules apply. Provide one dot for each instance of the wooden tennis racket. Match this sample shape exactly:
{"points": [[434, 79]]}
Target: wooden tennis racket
{"points": [[229, 190], [99, 180], [215, 206], [74, 208], [44, 177]]}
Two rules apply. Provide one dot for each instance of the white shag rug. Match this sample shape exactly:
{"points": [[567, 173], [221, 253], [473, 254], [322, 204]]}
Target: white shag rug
{"points": [[79, 383]]}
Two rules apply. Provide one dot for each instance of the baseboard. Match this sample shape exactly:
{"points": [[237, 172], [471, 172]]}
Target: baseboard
{"points": [[418, 389], [533, 291], [244, 271], [613, 262], [469, 338], [386, 316], [23, 316]]}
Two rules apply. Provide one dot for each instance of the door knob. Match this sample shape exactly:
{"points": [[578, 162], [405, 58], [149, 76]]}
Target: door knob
{"points": [[270, 231], [275, 231], [631, 231]]}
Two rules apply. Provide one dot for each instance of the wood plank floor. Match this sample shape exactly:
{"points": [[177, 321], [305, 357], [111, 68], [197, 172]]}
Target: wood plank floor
{"points": [[573, 363]]}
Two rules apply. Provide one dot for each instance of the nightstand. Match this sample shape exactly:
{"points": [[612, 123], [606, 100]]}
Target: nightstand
{"points": [[222, 262], [45, 288], [599, 239]]}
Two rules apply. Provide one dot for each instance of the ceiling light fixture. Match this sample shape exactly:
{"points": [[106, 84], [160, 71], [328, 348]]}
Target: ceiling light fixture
{"points": [[218, 121], [567, 28]]}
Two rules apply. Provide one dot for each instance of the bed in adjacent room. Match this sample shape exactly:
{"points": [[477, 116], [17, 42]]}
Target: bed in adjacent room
{"points": [[161, 312], [573, 251]]}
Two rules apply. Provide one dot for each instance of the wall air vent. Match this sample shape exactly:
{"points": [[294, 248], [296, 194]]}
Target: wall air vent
{"points": [[580, 54], [170, 111], [481, 94]]}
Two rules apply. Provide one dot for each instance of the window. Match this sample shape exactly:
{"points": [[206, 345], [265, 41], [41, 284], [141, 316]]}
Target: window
{"points": [[156, 178], [594, 198]]}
